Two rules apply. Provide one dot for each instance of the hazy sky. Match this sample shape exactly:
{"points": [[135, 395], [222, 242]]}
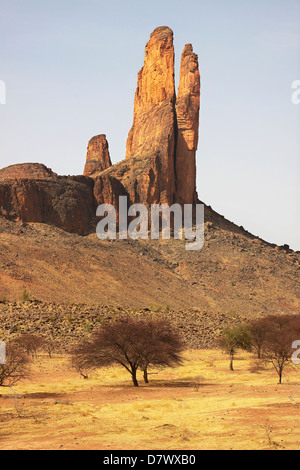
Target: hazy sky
{"points": [[70, 68]]}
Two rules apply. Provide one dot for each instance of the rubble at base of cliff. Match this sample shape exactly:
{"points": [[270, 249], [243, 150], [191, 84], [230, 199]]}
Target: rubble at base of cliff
{"points": [[68, 324]]}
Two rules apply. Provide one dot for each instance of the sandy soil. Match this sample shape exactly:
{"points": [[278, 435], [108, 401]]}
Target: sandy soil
{"points": [[200, 405]]}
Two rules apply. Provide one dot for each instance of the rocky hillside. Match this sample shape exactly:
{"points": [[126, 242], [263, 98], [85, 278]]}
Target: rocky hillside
{"points": [[233, 274]]}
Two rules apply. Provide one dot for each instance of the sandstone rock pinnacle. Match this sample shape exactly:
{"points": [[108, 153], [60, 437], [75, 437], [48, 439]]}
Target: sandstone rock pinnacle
{"points": [[155, 82], [160, 156], [160, 164], [153, 129], [97, 158], [187, 111]]}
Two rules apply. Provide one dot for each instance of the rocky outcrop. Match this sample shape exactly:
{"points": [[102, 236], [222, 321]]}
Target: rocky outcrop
{"points": [[160, 154], [187, 112], [152, 135], [26, 170], [107, 189], [137, 178], [66, 202], [160, 164], [155, 89], [98, 158]]}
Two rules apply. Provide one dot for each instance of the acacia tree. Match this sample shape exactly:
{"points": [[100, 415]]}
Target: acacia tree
{"points": [[131, 343], [84, 358], [280, 333], [233, 339], [277, 350], [30, 343], [163, 346], [258, 331], [49, 345], [15, 367]]}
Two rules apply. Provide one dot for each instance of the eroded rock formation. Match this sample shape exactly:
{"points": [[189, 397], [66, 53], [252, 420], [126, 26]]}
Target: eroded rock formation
{"points": [[153, 130], [160, 155], [98, 158], [187, 112], [66, 202], [26, 170], [160, 164]]}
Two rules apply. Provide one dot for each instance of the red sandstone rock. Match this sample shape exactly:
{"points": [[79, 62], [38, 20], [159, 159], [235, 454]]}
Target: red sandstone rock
{"points": [[161, 144], [97, 158], [66, 202], [187, 111], [147, 175], [153, 130], [26, 170], [137, 178]]}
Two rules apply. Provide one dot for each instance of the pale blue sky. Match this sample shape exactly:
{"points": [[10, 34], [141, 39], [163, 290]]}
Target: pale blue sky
{"points": [[70, 69]]}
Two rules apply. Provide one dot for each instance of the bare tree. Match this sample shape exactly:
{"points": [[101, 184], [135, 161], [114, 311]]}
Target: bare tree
{"points": [[258, 331], [83, 358], [15, 367], [163, 346], [49, 345], [30, 343], [278, 350], [131, 343], [277, 347]]}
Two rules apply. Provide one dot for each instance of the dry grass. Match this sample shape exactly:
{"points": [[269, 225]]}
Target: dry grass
{"points": [[201, 405]]}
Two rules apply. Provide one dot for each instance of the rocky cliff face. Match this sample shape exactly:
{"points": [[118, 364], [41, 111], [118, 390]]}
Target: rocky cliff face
{"points": [[160, 164], [66, 202], [98, 158]]}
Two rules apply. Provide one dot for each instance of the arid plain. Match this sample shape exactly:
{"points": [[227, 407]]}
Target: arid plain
{"points": [[200, 405]]}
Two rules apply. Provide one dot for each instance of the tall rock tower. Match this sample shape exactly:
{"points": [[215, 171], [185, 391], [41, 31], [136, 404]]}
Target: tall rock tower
{"points": [[187, 111], [154, 120], [97, 158], [160, 163]]}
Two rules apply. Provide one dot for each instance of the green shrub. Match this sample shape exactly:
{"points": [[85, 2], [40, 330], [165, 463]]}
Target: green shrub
{"points": [[25, 296]]}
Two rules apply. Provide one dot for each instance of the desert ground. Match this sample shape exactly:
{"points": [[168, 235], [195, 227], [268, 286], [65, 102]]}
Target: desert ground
{"points": [[199, 405]]}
